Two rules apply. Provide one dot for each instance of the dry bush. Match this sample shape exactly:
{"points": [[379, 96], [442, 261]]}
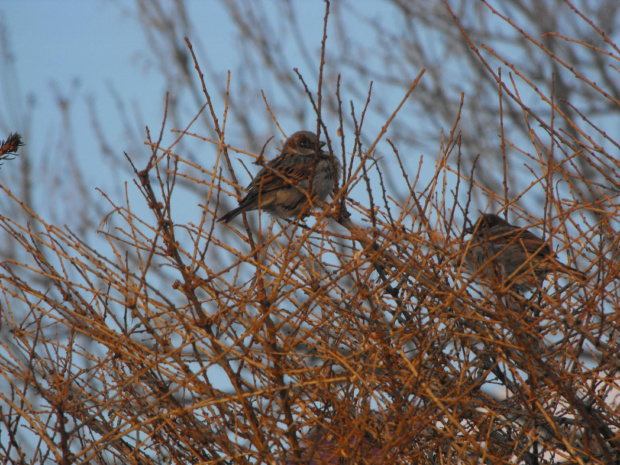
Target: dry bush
{"points": [[356, 336]]}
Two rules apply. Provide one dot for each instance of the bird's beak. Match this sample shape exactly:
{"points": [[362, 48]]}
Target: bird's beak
{"points": [[322, 144], [469, 230]]}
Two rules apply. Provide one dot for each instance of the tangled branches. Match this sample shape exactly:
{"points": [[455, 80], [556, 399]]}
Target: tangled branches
{"points": [[357, 336]]}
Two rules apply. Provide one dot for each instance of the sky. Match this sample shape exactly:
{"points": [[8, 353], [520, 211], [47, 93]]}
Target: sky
{"points": [[92, 50], [95, 44], [87, 48]]}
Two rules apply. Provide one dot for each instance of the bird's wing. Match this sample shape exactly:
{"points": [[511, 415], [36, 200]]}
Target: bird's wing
{"points": [[513, 235], [282, 171]]}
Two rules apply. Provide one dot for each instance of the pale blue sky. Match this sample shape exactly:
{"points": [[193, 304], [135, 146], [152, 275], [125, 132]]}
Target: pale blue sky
{"points": [[82, 48], [98, 44]]}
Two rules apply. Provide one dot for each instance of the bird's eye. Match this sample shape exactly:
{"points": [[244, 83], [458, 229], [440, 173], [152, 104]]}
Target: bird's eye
{"points": [[305, 143]]}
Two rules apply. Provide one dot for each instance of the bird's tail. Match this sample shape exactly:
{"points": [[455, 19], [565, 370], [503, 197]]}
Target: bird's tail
{"points": [[573, 272], [230, 215]]}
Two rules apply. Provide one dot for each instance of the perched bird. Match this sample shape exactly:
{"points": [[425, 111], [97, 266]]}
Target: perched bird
{"points": [[512, 255], [280, 188]]}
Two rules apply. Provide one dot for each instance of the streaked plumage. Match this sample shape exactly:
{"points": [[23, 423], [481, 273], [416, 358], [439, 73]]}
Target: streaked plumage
{"points": [[512, 255], [280, 187]]}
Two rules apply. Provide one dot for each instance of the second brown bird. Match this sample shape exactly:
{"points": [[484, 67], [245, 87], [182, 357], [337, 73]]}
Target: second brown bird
{"points": [[511, 255]]}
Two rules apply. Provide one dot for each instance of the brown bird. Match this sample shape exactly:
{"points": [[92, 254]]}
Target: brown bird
{"points": [[280, 187], [512, 255]]}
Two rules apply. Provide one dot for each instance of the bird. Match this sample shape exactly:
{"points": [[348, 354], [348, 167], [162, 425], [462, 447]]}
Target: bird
{"points": [[281, 187], [515, 256]]}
